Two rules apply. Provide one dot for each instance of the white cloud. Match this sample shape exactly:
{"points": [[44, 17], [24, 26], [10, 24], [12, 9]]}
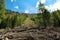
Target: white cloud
{"points": [[37, 4], [16, 7], [54, 7], [26, 11], [13, 0], [42, 1]]}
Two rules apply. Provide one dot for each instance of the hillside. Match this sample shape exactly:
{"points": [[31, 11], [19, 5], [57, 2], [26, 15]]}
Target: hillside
{"points": [[22, 26], [20, 23]]}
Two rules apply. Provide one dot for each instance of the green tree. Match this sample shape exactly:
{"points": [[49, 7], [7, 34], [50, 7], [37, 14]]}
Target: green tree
{"points": [[20, 20], [2, 12], [56, 18], [45, 14], [2, 7]]}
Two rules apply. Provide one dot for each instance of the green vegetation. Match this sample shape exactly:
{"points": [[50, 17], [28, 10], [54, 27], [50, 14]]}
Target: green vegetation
{"points": [[43, 19]]}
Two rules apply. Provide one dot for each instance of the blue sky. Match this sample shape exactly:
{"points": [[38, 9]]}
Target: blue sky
{"points": [[28, 6]]}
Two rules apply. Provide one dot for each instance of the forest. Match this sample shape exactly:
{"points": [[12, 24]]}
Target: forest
{"points": [[43, 19]]}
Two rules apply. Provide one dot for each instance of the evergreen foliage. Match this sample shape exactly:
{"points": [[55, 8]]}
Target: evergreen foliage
{"points": [[43, 19]]}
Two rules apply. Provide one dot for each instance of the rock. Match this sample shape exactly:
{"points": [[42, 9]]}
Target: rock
{"points": [[31, 34]]}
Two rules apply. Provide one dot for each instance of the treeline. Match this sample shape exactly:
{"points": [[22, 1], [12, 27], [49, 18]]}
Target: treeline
{"points": [[43, 19], [47, 19], [11, 19]]}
